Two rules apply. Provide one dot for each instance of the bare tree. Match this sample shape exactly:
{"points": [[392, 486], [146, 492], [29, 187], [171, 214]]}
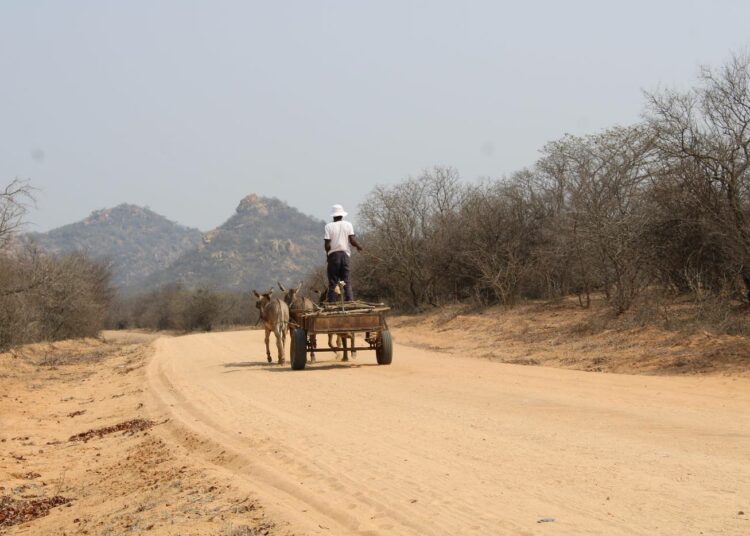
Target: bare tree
{"points": [[603, 181], [401, 225], [500, 233], [15, 199], [704, 139]]}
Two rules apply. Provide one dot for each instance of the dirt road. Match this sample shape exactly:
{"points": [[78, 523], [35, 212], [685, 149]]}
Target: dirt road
{"points": [[443, 444]]}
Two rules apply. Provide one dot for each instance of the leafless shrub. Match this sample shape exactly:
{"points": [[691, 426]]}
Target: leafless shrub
{"points": [[173, 307], [408, 259], [200, 311], [592, 325], [45, 297], [500, 232], [655, 306], [51, 297], [721, 314], [15, 199], [604, 213]]}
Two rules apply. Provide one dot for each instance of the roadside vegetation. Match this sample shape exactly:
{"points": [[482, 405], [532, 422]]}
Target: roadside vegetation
{"points": [[45, 296], [176, 308], [644, 215], [48, 296], [647, 219]]}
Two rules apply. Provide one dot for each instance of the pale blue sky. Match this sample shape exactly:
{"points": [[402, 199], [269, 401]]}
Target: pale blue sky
{"points": [[188, 106]]}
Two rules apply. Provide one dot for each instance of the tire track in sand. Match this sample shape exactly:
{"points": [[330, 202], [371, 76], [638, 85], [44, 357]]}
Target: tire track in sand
{"points": [[443, 444]]}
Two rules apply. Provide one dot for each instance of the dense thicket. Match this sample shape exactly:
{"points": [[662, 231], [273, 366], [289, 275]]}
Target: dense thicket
{"points": [[661, 206], [42, 296]]}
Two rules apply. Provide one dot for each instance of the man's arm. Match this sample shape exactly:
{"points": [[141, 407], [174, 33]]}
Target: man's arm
{"points": [[354, 242], [327, 244]]}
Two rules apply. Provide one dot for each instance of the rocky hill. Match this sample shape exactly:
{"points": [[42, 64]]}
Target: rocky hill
{"points": [[136, 240], [264, 241]]}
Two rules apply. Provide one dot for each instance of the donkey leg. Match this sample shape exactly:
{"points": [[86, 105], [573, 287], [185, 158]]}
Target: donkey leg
{"points": [[268, 350], [354, 345], [280, 345], [346, 351], [334, 346], [313, 345], [283, 342]]}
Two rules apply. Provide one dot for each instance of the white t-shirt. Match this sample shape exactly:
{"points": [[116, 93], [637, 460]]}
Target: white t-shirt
{"points": [[338, 232]]}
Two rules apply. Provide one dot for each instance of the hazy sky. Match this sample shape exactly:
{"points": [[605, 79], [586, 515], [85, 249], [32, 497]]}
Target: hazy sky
{"points": [[188, 106]]}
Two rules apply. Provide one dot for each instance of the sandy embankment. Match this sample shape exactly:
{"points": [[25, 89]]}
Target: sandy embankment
{"points": [[566, 336]]}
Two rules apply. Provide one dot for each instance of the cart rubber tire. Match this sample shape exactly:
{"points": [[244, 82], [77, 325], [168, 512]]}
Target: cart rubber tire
{"points": [[298, 349], [384, 351]]}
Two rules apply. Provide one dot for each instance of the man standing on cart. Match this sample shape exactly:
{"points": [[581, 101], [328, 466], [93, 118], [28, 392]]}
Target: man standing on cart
{"points": [[339, 237]]}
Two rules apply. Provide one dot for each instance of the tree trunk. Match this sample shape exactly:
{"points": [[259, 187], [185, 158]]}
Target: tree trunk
{"points": [[746, 279]]}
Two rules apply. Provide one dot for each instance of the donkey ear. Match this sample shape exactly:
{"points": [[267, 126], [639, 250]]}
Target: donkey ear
{"points": [[299, 287], [256, 293], [281, 286]]}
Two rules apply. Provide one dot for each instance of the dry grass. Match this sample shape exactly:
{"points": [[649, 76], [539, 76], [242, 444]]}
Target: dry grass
{"points": [[674, 338]]}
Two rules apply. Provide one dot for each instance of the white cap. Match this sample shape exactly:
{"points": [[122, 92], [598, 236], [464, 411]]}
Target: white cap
{"points": [[337, 210]]}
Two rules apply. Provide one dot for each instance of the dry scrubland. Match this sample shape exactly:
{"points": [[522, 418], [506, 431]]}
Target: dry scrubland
{"points": [[653, 216]]}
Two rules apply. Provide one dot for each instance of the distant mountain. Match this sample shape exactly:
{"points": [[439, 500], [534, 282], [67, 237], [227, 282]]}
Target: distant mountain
{"points": [[136, 240], [264, 241]]}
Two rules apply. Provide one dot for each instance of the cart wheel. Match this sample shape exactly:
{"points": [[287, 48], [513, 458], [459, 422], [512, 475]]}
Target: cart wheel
{"points": [[384, 351], [298, 349]]}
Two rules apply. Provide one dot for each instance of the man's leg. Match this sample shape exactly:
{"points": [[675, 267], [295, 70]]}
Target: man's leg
{"points": [[333, 277], [348, 291]]}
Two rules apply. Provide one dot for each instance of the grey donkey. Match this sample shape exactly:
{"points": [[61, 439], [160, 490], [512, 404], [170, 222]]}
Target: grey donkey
{"points": [[275, 316]]}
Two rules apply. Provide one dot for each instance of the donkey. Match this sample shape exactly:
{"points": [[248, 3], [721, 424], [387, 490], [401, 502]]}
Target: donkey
{"points": [[297, 306], [275, 316]]}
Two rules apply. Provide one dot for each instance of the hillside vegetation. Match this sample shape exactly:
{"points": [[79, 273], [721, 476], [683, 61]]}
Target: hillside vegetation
{"points": [[134, 240], [264, 241]]}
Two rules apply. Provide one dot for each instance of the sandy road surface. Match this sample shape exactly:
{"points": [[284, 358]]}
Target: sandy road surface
{"points": [[441, 444]]}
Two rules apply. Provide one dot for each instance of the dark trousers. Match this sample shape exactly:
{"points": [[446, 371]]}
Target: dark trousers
{"points": [[338, 270]]}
